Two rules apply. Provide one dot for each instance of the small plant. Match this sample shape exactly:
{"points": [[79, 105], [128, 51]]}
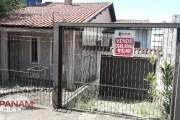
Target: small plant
{"points": [[71, 104], [151, 79], [82, 104], [152, 60], [143, 111], [167, 80]]}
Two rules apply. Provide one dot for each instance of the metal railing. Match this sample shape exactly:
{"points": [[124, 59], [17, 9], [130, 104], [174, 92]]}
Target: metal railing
{"points": [[19, 75]]}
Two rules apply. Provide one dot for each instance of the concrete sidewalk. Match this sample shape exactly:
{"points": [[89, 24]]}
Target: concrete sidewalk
{"points": [[50, 114]]}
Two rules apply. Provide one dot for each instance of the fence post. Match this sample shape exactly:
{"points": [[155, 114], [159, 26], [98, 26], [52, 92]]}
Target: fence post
{"points": [[4, 56], [57, 67], [175, 104]]}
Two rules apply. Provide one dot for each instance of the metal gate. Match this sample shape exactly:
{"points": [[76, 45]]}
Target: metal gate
{"points": [[88, 77]]}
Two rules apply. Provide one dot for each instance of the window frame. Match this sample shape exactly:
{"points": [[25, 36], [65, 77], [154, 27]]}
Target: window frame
{"points": [[38, 50]]}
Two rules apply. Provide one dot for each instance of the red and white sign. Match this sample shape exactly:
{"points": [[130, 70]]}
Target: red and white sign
{"points": [[124, 43], [14, 103]]}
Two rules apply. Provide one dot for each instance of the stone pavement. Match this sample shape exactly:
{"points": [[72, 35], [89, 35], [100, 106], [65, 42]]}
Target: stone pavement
{"points": [[49, 114]]}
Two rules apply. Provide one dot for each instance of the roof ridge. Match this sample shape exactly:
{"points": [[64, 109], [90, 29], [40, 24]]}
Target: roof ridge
{"points": [[91, 2], [132, 19]]}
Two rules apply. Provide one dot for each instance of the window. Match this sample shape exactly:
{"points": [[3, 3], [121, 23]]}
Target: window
{"points": [[137, 44], [51, 52], [34, 50]]}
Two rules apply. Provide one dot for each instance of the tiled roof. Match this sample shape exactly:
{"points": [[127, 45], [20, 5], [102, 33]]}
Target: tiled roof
{"points": [[132, 21], [111, 30], [43, 15]]}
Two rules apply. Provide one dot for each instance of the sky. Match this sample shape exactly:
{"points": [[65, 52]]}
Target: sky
{"points": [[154, 10]]}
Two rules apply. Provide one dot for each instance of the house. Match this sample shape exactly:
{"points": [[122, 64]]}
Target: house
{"points": [[158, 42], [143, 50], [141, 35], [143, 38], [32, 2], [27, 35]]}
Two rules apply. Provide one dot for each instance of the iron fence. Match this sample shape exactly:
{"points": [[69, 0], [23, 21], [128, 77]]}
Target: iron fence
{"points": [[80, 72], [26, 66], [94, 80]]}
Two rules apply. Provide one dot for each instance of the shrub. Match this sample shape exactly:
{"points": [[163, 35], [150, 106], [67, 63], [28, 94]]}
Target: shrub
{"points": [[167, 71]]}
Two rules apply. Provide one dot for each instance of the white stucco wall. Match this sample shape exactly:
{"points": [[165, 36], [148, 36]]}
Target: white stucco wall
{"points": [[90, 35], [157, 38], [103, 17], [169, 52], [169, 45]]}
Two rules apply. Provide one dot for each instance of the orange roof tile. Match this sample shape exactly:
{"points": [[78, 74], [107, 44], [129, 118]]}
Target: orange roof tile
{"points": [[43, 15]]}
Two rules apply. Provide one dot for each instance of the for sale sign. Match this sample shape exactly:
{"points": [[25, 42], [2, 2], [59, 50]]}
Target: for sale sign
{"points": [[124, 43]]}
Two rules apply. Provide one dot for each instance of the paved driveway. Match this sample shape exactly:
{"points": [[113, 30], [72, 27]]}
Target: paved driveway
{"points": [[55, 115]]}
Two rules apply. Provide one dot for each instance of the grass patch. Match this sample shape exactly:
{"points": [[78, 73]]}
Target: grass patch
{"points": [[140, 109], [81, 104], [145, 108]]}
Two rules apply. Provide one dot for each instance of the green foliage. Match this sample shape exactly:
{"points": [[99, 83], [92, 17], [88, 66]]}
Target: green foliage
{"points": [[146, 108], [167, 79], [10, 5], [81, 104], [143, 111], [151, 79], [152, 60]]}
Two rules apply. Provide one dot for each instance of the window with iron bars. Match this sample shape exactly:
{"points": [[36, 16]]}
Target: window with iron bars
{"points": [[34, 50]]}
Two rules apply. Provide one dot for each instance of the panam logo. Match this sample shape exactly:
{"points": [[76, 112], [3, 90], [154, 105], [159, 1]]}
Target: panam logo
{"points": [[14, 103], [124, 33]]}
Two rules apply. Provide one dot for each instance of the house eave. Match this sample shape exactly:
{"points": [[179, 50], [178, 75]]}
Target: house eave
{"points": [[25, 29]]}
